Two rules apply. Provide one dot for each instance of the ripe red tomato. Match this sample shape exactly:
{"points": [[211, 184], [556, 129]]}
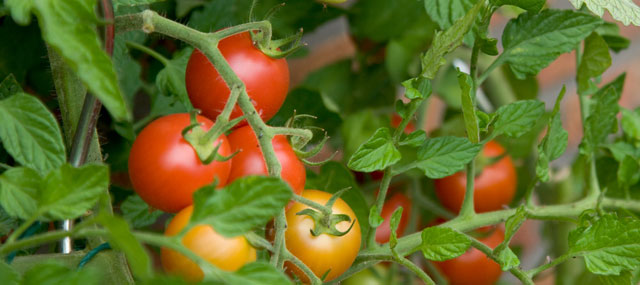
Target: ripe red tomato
{"points": [[384, 230], [228, 254], [249, 160], [473, 267], [493, 187], [165, 169], [266, 79], [323, 253]]}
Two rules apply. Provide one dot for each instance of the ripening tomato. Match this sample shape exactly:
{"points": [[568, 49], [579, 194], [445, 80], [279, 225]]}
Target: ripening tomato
{"points": [[383, 232], [494, 186], [249, 160], [165, 169], [228, 254], [266, 78], [323, 253], [473, 267]]}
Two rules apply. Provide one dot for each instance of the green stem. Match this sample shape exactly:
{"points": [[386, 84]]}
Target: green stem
{"points": [[517, 272], [535, 271], [307, 135], [529, 192], [384, 187], [467, 209], [22, 228], [433, 271], [280, 225], [322, 208], [298, 263], [428, 204], [5, 166], [496, 63], [150, 52], [415, 269]]}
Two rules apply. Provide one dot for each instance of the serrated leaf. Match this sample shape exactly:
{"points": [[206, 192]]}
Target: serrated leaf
{"points": [[447, 41], [393, 227], [121, 238], [533, 40], [138, 213], [529, 5], [621, 149], [20, 10], [377, 153], [625, 278], [631, 123], [440, 243], [30, 133], [70, 28], [55, 272], [171, 79], [19, 191], [8, 275], [117, 3], [242, 205], [375, 220], [443, 156], [609, 244], [595, 61], [517, 119], [417, 88], [602, 119], [258, 273], [610, 32], [554, 142], [414, 139], [507, 259], [9, 86], [468, 106], [446, 12], [624, 11], [628, 172]]}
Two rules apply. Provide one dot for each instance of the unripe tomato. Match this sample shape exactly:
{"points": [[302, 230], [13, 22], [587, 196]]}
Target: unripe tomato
{"points": [[165, 169], [383, 232], [473, 267], [228, 254], [323, 253], [494, 187], [249, 161], [266, 78]]}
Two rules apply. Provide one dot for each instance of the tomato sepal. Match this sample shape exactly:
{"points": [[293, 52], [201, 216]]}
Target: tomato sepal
{"points": [[324, 224], [272, 48], [203, 142]]}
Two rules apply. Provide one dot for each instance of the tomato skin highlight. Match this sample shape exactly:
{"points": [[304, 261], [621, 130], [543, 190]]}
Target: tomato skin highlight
{"points": [[249, 160], [266, 79], [473, 267], [228, 254], [493, 188], [165, 169], [322, 253], [383, 232]]}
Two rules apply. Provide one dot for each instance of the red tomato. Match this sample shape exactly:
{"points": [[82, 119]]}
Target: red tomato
{"points": [[323, 253], [266, 79], [249, 160], [165, 169], [473, 267], [384, 230], [494, 187], [228, 254]]}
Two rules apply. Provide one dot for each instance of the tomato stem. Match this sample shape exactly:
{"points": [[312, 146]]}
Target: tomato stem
{"points": [[517, 272]]}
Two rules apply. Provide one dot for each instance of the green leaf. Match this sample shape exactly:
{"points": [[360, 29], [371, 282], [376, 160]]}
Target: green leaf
{"points": [[609, 244], [554, 142], [417, 88], [447, 41], [377, 153], [621, 149], [8, 275], [514, 222], [532, 6], [624, 11], [333, 177], [469, 106], [117, 3], [258, 273], [393, 227], [414, 139], [138, 213], [127, 68], [381, 20], [242, 205], [30, 133], [625, 278], [20, 10], [9, 86], [52, 272], [631, 123], [121, 238], [19, 191], [446, 12], [533, 41], [610, 32], [375, 220], [602, 119], [440, 243], [70, 28], [507, 259], [595, 61], [517, 119], [443, 156], [628, 172], [7, 222], [171, 79]]}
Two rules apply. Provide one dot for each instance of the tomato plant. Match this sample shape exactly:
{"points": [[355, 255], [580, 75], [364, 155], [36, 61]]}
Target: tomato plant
{"points": [[495, 184], [226, 253], [249, 159], [266, 79], [474, 267], [393, 202], [164, 168], [327, 255]]}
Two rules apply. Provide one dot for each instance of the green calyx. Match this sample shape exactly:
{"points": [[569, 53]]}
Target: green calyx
{"points": [[204, 142], [326, 224], [277, 48]]}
